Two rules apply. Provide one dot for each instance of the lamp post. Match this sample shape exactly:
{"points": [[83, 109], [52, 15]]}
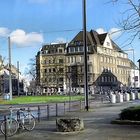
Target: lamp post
{"points": [[10, 75], [18, 89], [139, 72], [69, 78], [134, 74], [85, 56]]}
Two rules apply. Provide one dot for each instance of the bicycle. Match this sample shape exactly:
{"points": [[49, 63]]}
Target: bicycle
{"points": [[10, 125]]}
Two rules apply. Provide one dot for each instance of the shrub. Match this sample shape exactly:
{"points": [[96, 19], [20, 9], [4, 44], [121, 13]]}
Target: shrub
{"points": [[131, 113]]}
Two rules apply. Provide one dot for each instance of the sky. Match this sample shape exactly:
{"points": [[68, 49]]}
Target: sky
{"points": [[32, 23]]}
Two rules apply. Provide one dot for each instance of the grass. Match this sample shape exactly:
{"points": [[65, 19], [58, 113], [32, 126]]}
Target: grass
{"points": [[40, 99]]}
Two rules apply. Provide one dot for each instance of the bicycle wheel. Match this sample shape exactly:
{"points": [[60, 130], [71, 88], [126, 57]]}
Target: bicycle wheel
{"points": [[29, 122], [11, 127]]}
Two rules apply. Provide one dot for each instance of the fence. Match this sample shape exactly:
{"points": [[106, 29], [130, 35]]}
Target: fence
{"points": [[46, 111]]}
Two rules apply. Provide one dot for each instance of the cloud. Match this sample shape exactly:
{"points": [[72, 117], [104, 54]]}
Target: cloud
{"points": [[100, 31], [115, 32], [38, 1], [4, 32], [21, 38]]}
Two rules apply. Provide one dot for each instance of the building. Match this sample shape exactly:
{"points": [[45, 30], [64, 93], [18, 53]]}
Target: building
{"points": [[134, 75], [51, 68], [17, 81], [109, 67]]}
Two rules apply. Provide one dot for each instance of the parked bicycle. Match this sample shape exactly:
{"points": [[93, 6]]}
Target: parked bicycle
{"points": [[11, 124]]}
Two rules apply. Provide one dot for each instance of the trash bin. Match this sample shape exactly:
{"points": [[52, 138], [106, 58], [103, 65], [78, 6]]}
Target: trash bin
{"points": [[119, 98], [138, 95], [132, 96], [6, 96], [113, 98], [126, 96]]}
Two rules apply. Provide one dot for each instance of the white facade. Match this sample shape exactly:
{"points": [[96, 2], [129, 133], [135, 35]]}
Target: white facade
{"points": [[134, 78]]}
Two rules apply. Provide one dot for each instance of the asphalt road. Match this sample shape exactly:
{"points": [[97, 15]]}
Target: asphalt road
{"points": [[97, 126]]}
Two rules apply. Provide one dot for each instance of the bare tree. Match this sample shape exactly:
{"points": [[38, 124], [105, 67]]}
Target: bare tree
{"points": [[1, 76], [130, 21], [31, 71], [32, 68]]}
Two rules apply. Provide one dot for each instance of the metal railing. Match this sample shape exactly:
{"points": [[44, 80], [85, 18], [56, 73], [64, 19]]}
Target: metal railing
{"points": [[46, 111]]}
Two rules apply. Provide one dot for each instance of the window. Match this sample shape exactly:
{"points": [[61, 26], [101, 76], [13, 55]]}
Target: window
{"points": [[105, 79], [60, 60], [81, 58], [60, 50], [81, 49], [72, 49], [71, 59], [49, 70], [76, 49], [61, 79], [89, 78], [107, 43], [50, 79], [89, 68], [88, 58], [81, 69], [102, 79], [45, 79], [54, 70], [61, 70], [45, 70]]}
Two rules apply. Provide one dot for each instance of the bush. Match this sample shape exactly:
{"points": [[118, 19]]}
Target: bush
{"points": [[131, 113]]}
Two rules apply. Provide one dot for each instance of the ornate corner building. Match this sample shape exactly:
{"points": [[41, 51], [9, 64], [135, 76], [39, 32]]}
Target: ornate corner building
{"points": [[60, 67]]}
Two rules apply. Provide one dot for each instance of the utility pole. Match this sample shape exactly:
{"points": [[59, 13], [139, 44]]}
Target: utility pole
{"points": [[139, 72], [18, 77], [85, 56], [134, 74], [10, 75], [134, 68]]}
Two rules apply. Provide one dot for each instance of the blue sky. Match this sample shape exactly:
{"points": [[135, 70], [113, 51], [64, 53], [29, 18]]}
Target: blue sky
{"points": [[31, 23]]}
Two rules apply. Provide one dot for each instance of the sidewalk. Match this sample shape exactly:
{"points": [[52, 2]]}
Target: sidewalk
{"points": [[97, 126]]}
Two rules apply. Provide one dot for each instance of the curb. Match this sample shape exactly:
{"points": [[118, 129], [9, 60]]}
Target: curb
{"points": [[125, 122]]}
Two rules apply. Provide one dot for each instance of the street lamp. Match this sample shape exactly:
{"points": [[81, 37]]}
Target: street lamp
{"points": [[85, 56], [69, 78], [133, 54], [10, 75]]}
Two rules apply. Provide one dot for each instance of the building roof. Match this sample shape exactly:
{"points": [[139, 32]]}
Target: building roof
{"points": [[93, 38], [102, 38]]}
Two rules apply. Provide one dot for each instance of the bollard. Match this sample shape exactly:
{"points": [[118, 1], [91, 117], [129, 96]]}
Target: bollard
{"points": [[80, 105], [5, 120], [18, 119], [39, 113], [64, 107], [56, 109], [18, 116], [48, 111], [69, 105], [29, 109]]}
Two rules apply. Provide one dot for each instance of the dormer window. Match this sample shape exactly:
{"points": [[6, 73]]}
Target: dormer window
{"points": [[60, 50], [107, 43]]}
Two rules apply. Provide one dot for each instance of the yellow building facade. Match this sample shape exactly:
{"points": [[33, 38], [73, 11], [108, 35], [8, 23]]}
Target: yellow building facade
{"points": [[60, 67]]}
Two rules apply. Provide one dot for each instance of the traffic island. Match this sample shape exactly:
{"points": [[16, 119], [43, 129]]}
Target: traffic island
{"points": [[69, 124]]}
